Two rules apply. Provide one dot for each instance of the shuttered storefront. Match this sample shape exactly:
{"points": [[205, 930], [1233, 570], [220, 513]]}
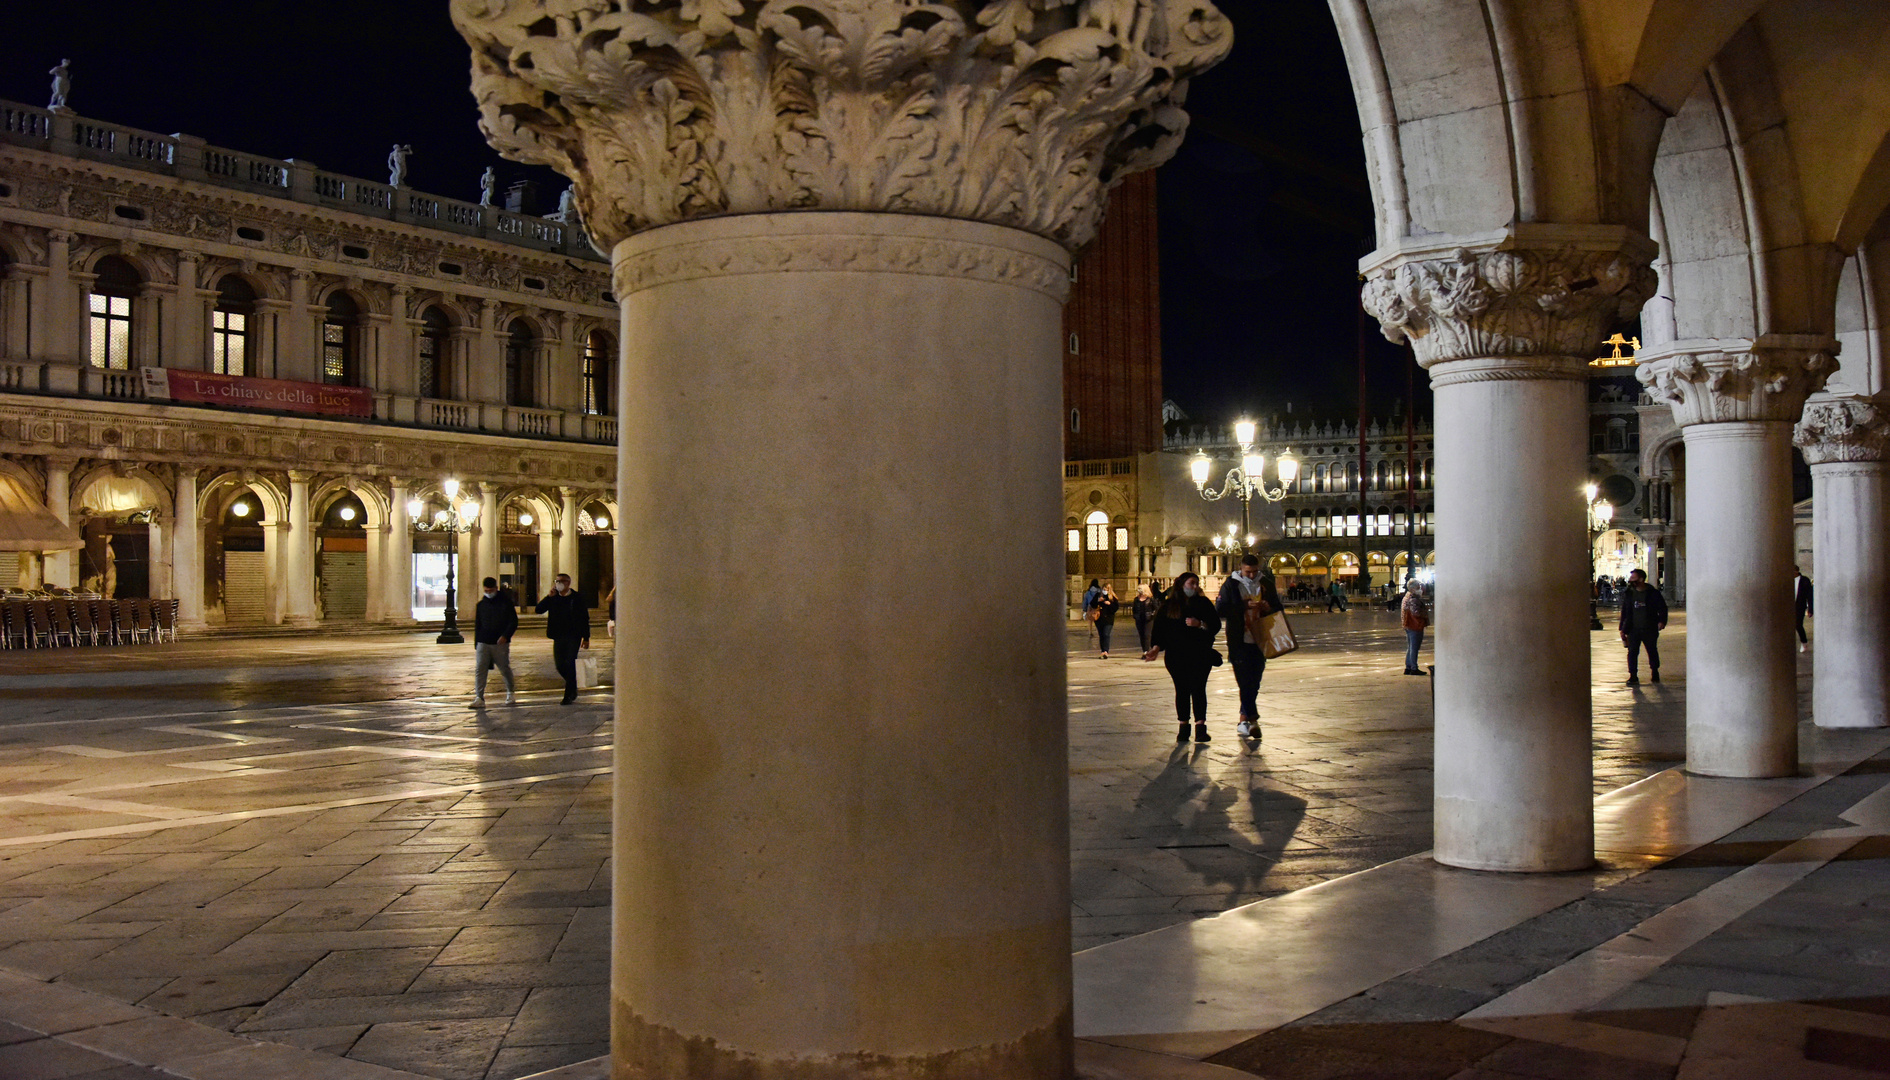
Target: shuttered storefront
{"points": [[344, 585], [245, 588]]}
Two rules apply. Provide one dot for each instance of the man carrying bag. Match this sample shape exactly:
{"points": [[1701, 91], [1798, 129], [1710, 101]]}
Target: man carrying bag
{"points": [[1248, 600]]}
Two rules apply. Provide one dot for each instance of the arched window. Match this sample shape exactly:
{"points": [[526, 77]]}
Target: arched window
{"points": [[1430, 474], [600, 365], [1097, 525], [229, 327], [1351, 476], [1617, 435], [519, 346], [341, 362], [1378, 476], [1397, 474], [112, 292], [1319, 478], [435, 331]]}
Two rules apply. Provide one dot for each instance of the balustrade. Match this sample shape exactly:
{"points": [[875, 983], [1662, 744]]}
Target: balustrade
{"points": [[25, 121], [533, 422]]}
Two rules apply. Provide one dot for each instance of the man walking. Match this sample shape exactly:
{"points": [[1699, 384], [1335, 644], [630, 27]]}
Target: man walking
{"points": [[1801, 604], [495, 620], [1643, 617], [568, 625], [1247, 597]]}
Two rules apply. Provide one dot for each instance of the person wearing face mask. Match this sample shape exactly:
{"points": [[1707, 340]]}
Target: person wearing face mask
{"points": [[495, 620], [568, 625], [1245, 598], [1184, 629]]}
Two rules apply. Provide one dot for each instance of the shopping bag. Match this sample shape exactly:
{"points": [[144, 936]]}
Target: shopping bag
{"points": [[586, 671], [1275, 636]]}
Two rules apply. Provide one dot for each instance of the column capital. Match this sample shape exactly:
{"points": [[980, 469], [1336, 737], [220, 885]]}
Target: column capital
{"points": [[1530, 301], [1842, 429], [1014, 114], [1714, 380], [300, 476]]}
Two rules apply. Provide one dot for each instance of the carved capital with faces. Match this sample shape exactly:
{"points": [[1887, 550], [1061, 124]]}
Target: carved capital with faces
{"points": [[1842, 429], [1020, 113], [1532, 301], [1714, 380]]}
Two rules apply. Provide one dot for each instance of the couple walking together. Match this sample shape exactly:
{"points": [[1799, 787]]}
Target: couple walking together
{"points": [[1184, 628], [495, 622]]}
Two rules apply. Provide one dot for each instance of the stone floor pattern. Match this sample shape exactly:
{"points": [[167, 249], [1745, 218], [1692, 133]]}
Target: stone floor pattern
{"points": [[311, 843]]}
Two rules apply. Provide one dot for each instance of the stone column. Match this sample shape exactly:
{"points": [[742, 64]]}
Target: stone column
{"points": [[567, 537], [841, 243], [298, 564], [59, 322], [187, 560], [1843, 441], [398, 605], [1505, 325], [60, 567], [489, 530], [1735, 400]]}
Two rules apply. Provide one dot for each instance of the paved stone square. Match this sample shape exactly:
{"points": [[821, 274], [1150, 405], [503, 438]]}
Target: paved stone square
{"points": [[311, 841]]}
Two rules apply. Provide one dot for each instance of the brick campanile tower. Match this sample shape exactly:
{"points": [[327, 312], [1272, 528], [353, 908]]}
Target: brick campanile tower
{"points": [[1112, 331]]}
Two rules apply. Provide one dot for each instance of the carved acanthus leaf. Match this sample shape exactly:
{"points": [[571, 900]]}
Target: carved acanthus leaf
{"points": [[1718, 380], [1507, 303], [1843, 429], [1012, 112]]}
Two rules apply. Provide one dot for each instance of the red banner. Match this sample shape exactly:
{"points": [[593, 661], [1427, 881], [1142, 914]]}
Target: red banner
{"points": [[278, 395]]}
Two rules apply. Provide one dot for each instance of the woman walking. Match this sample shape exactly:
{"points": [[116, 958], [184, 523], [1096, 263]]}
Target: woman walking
{"points": [[1106, 607], [1184, 629], [1143, 610]]}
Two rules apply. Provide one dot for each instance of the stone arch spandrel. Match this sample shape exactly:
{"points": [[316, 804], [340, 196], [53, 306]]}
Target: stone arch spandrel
{"points": [[1833, 89], [374, 502]]}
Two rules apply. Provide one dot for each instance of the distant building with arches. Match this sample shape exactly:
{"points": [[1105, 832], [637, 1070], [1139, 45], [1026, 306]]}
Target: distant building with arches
{"points": [[233, 375]]}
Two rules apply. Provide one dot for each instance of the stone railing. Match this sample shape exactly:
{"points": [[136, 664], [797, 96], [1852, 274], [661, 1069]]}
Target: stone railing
{"points": [[192, 158], [84, 381]]}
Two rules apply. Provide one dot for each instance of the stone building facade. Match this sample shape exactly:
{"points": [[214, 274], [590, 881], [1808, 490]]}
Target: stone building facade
{"points": [[383, 341]]}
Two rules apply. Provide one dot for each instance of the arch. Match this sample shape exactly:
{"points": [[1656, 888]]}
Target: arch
{"points": [[433, 353], [455, 309], [344, 318], [1282, 563], [215, 495], [374, 502], [600, 372], [118, 489]]}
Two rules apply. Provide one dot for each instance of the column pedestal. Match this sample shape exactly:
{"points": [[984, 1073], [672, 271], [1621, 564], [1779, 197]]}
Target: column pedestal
{"points": [[847, 911], [1742, 709], [1514, 760]]}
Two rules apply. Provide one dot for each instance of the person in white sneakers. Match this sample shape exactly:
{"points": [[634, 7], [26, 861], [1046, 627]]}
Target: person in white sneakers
{"points": [[495, 620], [1246, 597]]}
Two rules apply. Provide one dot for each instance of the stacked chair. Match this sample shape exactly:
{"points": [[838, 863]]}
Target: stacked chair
{"points": [[37, 621]]}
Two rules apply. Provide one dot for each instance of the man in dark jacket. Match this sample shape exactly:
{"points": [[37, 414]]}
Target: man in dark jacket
{"points": [[1251, 587], [1643, 617], [568, 625], [495, 620], [1801, 603]]}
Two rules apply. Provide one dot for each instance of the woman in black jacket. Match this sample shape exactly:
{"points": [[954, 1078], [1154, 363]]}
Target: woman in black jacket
{"points": [[1106, 607], [1185, 626]]}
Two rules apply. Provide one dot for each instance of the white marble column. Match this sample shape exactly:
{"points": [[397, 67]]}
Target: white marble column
{"points": [[1507, 345], [831, 309], [59, 567], [1843, 441], [567, 537], [398, 603], [1735, 400], [298, 564], [489, 530]]}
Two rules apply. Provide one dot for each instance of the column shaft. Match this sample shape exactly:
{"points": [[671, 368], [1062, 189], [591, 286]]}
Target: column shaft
{"points": [[1742, 713], [1514, 787], [399, 548], [567, 536], [298, 569], [489, 530], [851, 912], [59, 565], [1851, 533]]}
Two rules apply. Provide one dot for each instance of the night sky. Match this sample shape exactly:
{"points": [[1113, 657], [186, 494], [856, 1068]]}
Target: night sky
{"points": [[1264, 212]]}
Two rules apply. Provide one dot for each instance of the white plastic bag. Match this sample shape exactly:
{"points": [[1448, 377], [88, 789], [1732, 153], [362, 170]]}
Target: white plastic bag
{"points": [[586, 671]]}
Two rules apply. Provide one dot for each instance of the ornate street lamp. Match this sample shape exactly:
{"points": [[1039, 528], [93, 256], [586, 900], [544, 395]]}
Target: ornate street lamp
{"points": [[457, 518], [1245, 481], [1600, 513]]}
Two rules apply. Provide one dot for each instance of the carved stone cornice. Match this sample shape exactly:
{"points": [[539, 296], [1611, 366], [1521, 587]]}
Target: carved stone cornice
{"points": [[1842, 429], [1716, 380], [763, 244], [1532, 301], [1019, 113]]}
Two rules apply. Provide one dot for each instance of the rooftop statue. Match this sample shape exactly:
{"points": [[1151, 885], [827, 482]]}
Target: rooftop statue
{"points": [[61, 86], [397, 165], [487, 181]]}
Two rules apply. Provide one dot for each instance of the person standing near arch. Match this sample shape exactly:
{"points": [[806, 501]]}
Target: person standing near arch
{"points": [[495, 621]]}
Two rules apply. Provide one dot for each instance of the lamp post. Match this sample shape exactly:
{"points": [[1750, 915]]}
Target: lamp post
{"points": [[1245, 481], [457, 518], [1600, 512]]}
